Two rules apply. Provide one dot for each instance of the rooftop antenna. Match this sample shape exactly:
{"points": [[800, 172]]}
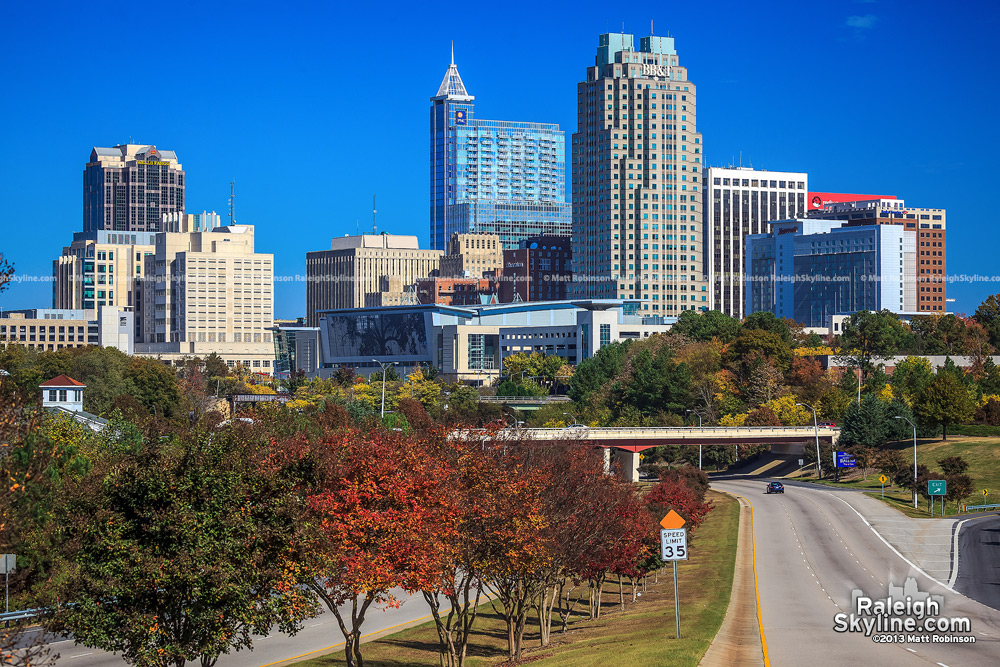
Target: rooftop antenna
{"points": [[651, 27], [357, 227], [232, 202], [374, 211], [452, 52]]}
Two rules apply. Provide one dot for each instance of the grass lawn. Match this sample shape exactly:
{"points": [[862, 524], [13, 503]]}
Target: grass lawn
{"points": [[982, 454], [642, 634]]}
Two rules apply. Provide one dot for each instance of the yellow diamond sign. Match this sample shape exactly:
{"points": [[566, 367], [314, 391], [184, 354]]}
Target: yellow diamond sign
{"points": [[883, 479]]}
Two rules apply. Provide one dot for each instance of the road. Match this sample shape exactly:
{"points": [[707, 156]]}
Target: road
{"points": [[979, 560], [812, 550], [318, 634]]}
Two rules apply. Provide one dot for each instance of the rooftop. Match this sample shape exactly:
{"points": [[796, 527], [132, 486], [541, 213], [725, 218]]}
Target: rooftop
{"points": [[62, 381]]}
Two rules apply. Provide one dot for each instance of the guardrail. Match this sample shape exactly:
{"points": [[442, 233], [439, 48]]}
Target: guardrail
{"points": [[524, 399], [19, 615], [976, 508]]}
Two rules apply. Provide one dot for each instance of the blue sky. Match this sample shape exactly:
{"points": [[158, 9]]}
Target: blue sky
{"points": [[312, 107]]}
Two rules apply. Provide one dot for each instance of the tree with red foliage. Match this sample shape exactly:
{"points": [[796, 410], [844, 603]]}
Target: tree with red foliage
{"points": [[374, 516], [497, 541], [676, 494]]}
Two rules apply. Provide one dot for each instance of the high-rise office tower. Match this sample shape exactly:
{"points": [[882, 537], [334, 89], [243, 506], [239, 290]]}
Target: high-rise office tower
{"points": [[208, 291], [930, 225], [637, 179], [492, 176], [129, 187], [741, 201]]}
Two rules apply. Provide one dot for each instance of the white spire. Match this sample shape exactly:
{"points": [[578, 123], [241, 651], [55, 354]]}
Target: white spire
{"points": [[452, 85]]}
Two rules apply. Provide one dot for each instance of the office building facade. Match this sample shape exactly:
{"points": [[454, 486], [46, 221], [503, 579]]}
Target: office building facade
{"points": [[50, 329], [472, 255], [206, 292], [470, 343], [540, 270], [490, 176], [357, 270], [930, 226], [128, 188], [637, 179], [809, 270], [100, 268], [741, 201]]}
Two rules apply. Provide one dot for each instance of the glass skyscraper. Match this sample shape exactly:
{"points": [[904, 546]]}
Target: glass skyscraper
{"points": [[491, 176]]}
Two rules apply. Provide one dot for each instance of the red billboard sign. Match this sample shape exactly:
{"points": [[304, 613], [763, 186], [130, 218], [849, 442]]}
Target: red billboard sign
{"points": [[817, 200]]}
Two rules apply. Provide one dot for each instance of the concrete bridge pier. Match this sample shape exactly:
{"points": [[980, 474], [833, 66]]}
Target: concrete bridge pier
{"points": [[628, 463], [607, 461]]}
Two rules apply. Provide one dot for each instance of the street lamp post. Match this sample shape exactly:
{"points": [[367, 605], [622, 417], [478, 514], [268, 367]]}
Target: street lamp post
{"points": [[384, 366], [914, 457], [699, 444], [819, 465], [574, 419]]}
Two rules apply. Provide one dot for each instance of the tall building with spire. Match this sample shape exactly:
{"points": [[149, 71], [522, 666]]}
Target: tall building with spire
{"points": [[490, 176], [637, 184]]}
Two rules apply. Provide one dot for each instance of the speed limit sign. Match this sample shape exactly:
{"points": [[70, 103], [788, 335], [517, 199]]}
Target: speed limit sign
{"points": [[673, 544]]}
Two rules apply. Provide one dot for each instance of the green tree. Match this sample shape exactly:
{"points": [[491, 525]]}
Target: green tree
{"points": [[177, 552], [105, 371], [656, 384], [911, 377], [870, 338], [945, 401], [594, 373], [988, 315], [155, 385], [703, 327], [865, 425], [751, 343], [215, 367], [766, 321]]}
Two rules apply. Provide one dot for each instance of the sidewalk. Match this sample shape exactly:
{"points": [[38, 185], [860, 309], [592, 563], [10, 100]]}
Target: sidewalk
{"points": [[927, 543]]}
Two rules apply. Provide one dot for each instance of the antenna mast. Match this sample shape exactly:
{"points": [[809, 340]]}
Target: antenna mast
{"points": [[232, 202], [374, 211]]}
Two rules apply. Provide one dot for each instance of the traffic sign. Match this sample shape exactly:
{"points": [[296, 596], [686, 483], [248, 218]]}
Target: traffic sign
{"points": [[673, 544], [986, 492], [843, 460], [883, 479], [937, 487], [672, 520]]}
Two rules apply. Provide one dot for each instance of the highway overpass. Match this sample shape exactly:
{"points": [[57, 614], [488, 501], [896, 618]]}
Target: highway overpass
{"points": [[628, 442]]}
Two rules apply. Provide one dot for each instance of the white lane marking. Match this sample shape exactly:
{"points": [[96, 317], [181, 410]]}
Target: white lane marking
{"points": [[81, 655], [911, 650], [894, 550], [61, 641], [954, 562], [315, 625], [941, 663]]}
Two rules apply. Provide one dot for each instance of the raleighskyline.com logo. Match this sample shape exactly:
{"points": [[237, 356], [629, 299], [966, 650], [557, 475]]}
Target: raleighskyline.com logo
{"points": [[905, 615]]}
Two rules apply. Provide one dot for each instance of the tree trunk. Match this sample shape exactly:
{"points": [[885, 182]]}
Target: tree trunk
{"points": [[621, 592]]}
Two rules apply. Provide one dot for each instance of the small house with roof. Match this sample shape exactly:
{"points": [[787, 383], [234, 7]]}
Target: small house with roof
{"points": [[63, 392]]}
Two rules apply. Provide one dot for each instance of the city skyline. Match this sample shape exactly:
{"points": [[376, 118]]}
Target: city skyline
{"points": [[267, 119]]}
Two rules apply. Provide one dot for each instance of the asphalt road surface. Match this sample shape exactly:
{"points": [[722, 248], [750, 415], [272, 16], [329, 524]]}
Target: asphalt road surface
{"points": [[979, 560], [812, 551], [316, 635]]}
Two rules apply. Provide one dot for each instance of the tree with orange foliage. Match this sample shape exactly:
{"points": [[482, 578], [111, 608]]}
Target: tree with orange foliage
{"points": [[375, 513]]}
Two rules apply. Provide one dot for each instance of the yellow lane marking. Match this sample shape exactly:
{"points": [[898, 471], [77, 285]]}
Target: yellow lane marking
{"points": [[756, 589]]}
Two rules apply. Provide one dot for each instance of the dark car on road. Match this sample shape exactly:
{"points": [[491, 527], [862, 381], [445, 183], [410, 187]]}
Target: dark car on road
{"points": [[775, 487]]}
